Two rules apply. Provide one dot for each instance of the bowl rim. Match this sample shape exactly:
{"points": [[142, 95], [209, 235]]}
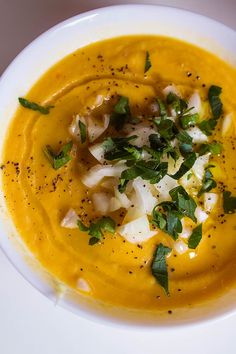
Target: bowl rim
{"points": [[6, 250]]}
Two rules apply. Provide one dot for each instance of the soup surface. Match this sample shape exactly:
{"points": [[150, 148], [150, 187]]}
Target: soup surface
{"points": [[104, 231]]}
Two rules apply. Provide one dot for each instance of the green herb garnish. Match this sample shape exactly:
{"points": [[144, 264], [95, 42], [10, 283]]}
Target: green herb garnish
{"points": [[188, 120], [121, 113], [95, 230], [166, 128], [83, 133], [229, 202], [159, 266], [60, 159], [34, 106], [152, 171], [148, 63], [185, 166], [195, 237], [208, 182], [207, 126], [178, 104], [215, 101], [162, 108], [116, 149], [185, 204], [214, 148]]}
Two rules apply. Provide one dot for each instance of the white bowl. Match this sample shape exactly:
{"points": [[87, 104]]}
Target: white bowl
{"points": [[28, 67]]}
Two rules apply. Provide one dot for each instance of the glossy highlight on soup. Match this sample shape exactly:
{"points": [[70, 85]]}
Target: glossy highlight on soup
{"points": [[118, 172]]}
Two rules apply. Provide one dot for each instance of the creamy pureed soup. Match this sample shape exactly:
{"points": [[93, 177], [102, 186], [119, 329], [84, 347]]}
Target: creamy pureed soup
{"points": [[119, 172]]}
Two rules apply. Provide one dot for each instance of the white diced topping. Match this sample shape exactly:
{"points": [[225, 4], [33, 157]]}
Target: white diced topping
{"points": [[199, 166], [123, 199], [137, 231], [101, 202], [197, 135], [180, 247], [144, 197], [195, 103], [190, 181], [142, 135], [97, 151], [227, 124], [187, 229], [74, 127], [70, 220], [83, 285], [114, 204], [200, 215], [210, 201], [192, 254], [164, 186], [171, 89], [98, 172], [95, 128], [173, 166]]}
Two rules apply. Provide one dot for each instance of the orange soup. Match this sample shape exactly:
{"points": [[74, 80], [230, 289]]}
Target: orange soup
{"points": [[118, 172]]}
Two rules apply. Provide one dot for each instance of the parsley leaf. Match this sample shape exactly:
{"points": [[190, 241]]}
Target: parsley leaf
{"points": [[185, 166], [122, 106], [148, 63], [184, 137], [159, 266], [166, 128], [208, 182], [162, 108], [177, 103], [95, 230], [152, 171], [34, 106], [215, 101], [207, 126], [229, 202], [121, 149], [188, 120], [186, 143], [121, 113], [60, 159], [214, 148], [195, 237], [173, 224], [83, 134], [184, 202]]}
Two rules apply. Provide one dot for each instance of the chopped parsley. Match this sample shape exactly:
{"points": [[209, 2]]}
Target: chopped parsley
{"points": [[116, 149], [207, 126], [34, 106], [148, 63], [169, 220], [152, 171], [60, 159], [159, 266], [214, 148], [121, 113], [83, 133], [215, 101], [208, 182], [186, 165], [95, 230], [195, 237], [188, 120]]}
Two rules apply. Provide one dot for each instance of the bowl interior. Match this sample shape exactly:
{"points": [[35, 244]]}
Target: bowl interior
{"points": [[28, 67]]}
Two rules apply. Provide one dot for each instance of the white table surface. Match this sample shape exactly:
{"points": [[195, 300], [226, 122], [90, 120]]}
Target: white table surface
{"points": [[31, 324]]}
